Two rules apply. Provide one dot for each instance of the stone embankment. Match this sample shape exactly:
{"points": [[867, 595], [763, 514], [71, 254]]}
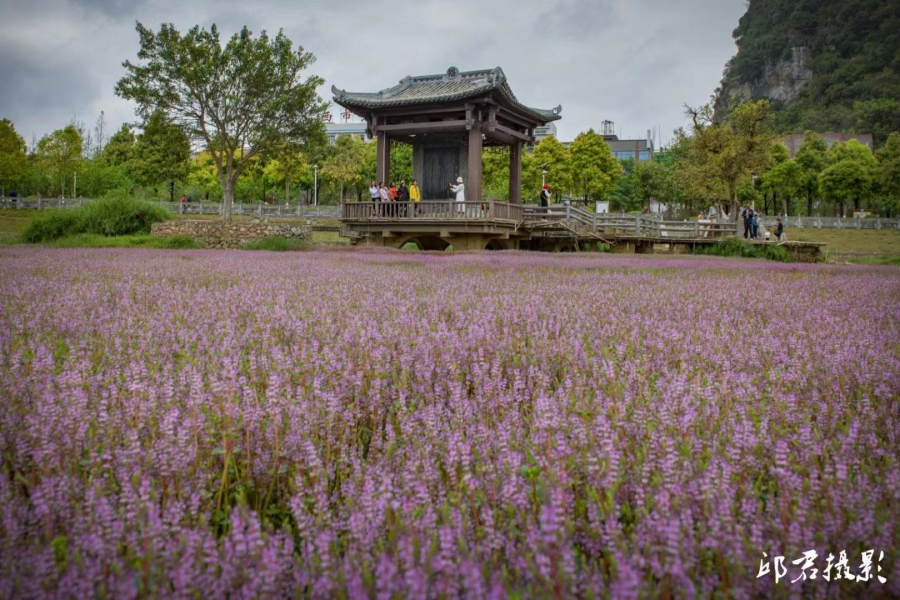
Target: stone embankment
{"points": [[234, 234]]}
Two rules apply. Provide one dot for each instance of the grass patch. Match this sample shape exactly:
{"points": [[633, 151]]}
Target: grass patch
{"points": [[13, 222], [112, 215], [850, 240], [743, 249], [278, 244], [93, 240]]}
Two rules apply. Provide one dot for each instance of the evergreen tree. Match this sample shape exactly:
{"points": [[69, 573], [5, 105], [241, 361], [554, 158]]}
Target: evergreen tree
{"points": [[162, 153]]}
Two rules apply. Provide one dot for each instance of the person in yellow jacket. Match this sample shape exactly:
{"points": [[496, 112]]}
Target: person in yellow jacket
{"points": [[414, 194]]}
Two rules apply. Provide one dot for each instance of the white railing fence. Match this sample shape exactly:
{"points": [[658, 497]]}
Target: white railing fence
{"points": [[191, 208]]}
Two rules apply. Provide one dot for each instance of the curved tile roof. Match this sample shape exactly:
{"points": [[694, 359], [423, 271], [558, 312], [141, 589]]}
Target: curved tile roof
{"points": [[447, 87]]}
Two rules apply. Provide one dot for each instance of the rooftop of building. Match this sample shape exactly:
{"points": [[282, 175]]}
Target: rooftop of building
{"points": [[452, 86]]}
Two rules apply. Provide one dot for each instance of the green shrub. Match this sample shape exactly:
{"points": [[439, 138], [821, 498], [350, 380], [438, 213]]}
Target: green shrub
{"points": [[744, 249], [51, 225], [778, 253], [114, 214], [277, 244]]}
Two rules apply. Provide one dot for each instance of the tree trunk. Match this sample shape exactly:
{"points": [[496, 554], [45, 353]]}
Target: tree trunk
{"points": [[171, 191], [227, 199], [784, 202], [287, 190], [734, 203], [342, 192], [808, 202]]}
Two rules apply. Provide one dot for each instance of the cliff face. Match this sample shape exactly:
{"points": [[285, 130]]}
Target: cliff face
{"points": [[824, 64], [780, 81]]}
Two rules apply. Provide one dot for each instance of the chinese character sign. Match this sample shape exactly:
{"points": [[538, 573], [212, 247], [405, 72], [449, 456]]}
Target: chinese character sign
{"points": [[833, 571], [345, 116], [327, 117]]}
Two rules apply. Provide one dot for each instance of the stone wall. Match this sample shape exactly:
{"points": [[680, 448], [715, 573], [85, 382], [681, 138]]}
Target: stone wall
{"points": [[219, 234]]}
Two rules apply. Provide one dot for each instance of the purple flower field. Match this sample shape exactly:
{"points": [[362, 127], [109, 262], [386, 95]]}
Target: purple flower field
{"points": [[386, 424]]}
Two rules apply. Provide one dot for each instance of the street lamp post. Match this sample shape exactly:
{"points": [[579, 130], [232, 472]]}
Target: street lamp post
{"points": [[543, 178], [316, 185]]}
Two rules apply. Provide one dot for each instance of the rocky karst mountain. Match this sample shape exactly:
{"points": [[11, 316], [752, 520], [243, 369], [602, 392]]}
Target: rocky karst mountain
{"points": [[824, 64]]}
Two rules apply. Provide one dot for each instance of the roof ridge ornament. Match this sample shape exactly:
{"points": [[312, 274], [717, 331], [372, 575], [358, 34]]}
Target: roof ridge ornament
{"points": [[452, 73]]}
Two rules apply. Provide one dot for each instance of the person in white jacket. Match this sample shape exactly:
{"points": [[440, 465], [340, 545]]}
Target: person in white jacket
{"points": [[460, 190]]}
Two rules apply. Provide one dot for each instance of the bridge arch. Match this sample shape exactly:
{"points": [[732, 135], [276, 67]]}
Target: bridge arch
{"points": [[427, 242], [496, 244]]}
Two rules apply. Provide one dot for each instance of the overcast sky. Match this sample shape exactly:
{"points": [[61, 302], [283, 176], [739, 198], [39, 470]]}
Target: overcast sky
{"points": [[635, 62]]}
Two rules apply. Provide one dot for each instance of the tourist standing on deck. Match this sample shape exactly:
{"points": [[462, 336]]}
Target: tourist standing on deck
{"points": [[415, 195], [385, 198], [545, 195], [754, 225], [403, 199], [374, 192], [460, 190], [779, 230]]}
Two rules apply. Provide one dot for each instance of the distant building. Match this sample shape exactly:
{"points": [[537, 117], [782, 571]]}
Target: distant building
{"points": [[637, 150], [545, 131], [794, 141], [333, 130]]}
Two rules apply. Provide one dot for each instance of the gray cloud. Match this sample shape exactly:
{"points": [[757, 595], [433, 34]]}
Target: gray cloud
{"points": [[635, 62]]}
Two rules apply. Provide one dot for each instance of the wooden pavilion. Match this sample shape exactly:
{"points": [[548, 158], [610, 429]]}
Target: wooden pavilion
{"points": [[448, 119]]}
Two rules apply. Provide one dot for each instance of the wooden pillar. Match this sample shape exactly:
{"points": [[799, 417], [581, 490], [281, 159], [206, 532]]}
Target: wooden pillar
{"points": [[383, 157], [515, 173], [473, 186]]}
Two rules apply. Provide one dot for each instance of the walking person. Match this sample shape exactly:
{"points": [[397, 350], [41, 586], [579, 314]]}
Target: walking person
{"points": [[183, 204], [754, 226], [747, 216], [415, 195], [460, 190], [779, 230], [403, 199], [545, 195]]}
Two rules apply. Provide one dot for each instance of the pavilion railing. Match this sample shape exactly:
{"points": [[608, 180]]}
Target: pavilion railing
{"points": [[431, 210]]}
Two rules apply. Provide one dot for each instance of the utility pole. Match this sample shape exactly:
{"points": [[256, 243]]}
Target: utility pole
{"points": [[315, 185]]}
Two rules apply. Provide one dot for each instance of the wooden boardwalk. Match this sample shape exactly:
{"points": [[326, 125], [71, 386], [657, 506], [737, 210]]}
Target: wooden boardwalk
{"points": [[490, 224]]}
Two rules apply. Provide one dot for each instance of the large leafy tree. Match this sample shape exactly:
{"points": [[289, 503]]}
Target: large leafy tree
{"points": [[853, 152], [811, 156], [888, 174], [13, 157], [649, 181], [786, 177], [551, 156], [846, 179], [236, 100], [162, 153], [60, 154], [345, 163], [593, 171], [731, 150], [289, 165]]}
